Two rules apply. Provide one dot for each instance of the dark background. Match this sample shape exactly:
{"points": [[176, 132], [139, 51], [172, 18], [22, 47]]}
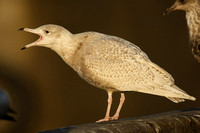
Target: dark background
{"points": [[46, 93]]}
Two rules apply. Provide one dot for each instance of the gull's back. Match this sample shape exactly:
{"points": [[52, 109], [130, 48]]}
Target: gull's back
{"points": [[115, 64]]}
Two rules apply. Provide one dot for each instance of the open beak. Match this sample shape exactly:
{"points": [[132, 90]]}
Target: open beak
{"points": [[171, 9], [34, 31]]}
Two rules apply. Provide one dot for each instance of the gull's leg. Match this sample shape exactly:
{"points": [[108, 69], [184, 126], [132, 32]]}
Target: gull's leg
{"points": [[116, 115], [107, 116]]}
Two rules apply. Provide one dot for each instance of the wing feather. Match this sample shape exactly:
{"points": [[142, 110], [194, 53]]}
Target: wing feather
{"points": [[117, 63]]}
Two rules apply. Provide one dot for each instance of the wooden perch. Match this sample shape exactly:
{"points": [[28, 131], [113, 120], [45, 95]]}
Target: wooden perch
{"points": [[182, 121]]}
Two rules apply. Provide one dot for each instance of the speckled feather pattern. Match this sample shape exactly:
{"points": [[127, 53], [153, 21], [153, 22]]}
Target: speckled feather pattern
{"points": [[193, 22]]}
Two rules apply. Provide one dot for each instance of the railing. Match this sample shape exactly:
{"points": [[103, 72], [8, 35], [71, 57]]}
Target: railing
{"points": [[182, 121]]}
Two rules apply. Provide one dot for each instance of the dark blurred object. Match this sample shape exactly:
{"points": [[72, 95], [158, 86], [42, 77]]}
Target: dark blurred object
{"points": [[16, 94], [182, 121], [5, 107]]}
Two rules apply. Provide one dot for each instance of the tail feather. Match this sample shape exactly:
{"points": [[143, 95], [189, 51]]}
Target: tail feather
{"points": [[176, 100], [183, 94], [180, 95]]}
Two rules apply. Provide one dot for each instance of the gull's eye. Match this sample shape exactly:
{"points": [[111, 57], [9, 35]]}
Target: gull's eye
{"points": [[47, 31]]}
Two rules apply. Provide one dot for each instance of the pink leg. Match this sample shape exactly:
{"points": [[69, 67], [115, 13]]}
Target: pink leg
{"points": [[107, 116], [122, 99]]}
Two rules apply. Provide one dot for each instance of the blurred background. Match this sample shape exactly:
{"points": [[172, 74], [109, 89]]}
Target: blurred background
{"points": [[47, 94]]}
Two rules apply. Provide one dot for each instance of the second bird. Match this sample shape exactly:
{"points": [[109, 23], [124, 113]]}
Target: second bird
{"points": [[109, 63], [192, 9]]}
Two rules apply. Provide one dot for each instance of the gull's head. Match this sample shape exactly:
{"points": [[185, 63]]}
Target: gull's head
{"points": [[49, 35], [185, 5]]}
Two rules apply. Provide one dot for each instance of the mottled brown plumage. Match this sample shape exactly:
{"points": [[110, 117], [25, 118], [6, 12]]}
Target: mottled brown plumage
{"points": [[109, 63], [192, 9]]}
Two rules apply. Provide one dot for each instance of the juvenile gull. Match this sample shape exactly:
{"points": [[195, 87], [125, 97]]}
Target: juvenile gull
{"points": [[192, 9], [109, 63]]}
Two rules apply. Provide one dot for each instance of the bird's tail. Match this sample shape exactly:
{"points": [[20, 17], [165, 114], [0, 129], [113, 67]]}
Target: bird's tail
{"points": [[181, 97]]}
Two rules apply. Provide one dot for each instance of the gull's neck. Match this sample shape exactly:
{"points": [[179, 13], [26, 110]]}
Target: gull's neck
{"points": [[193, 22], [66, 48], [70, 48]]}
